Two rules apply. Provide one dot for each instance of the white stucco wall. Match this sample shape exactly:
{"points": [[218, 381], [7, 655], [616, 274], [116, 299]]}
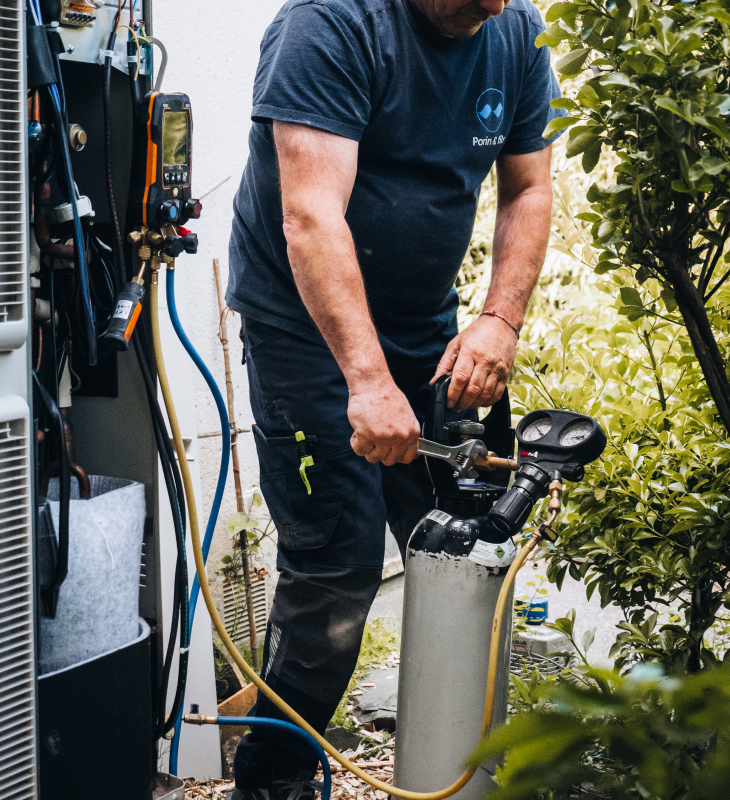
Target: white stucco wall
{"points": [[212, 58]]}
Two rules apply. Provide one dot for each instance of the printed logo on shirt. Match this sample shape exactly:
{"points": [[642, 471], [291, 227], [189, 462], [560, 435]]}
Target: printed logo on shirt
{"points": [[490, 113]]}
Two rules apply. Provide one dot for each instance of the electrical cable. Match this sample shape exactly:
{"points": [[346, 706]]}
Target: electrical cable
{"points": [[83, 276], [163, 62], [179, 446], [49, 593], [167, 454], [176, 498], [54, 344], [109, 152], [200, 555], [175, 713]]}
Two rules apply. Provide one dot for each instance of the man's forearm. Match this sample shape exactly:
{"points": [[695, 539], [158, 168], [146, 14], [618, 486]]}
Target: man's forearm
{"points": [[521, 236], [323, 260]]}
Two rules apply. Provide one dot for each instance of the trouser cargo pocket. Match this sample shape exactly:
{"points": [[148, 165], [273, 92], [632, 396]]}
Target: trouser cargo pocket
{"points": [[305, 517]]}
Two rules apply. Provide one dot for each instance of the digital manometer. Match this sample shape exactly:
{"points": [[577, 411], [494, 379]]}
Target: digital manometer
{"points": [[552, 445], [164, 162]]}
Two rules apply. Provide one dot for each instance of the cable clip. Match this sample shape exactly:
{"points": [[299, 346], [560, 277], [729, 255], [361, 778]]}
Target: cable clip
{"points": [[306, 459]]}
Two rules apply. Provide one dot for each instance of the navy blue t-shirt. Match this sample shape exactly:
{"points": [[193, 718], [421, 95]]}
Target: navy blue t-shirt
{"points": [[431, 115]]}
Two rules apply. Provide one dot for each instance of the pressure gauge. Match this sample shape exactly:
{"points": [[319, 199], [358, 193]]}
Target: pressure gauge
{"points": [[537, 429], [561, 440], [576, 432], [554, 445]]}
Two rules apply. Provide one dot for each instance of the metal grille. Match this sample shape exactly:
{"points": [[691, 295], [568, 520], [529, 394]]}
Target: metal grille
{"points": [[13, 132], [235, 614], [17, 676]]}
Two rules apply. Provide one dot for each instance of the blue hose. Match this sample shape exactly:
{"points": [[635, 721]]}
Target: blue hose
{"points": [[290, 727], [222, 475]]}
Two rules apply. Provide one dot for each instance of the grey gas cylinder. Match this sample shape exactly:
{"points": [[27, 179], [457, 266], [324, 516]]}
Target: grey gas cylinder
{"points": [[447, 628]]}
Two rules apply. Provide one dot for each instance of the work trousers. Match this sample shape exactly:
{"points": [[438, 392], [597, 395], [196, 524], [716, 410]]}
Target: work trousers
{"points": [[331, 534]]}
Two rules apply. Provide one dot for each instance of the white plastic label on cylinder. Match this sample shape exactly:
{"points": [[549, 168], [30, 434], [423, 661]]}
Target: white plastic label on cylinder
{"points": [[493, 555]]}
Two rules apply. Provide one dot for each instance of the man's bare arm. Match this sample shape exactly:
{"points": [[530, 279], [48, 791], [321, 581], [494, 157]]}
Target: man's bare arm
{"points": [[481, 356], [317, 172]]}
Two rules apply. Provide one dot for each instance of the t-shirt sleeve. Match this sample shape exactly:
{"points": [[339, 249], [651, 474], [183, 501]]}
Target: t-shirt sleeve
{"points": [[539, 88], [314, 71]]}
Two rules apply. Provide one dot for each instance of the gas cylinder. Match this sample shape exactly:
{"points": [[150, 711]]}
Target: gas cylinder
{"points": [[456, 563]]}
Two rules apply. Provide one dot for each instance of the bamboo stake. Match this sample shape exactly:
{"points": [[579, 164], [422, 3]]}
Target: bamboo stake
{"points": [[223, 335]]}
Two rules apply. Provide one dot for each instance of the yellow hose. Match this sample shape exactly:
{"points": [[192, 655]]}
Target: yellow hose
{"points": [[238, 658]]}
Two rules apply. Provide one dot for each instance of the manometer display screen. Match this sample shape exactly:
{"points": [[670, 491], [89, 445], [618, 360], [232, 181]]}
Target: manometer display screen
{"points": [[174, 138]]}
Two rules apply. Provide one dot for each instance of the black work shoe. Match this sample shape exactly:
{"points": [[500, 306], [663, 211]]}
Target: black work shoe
{"points": [[248, 794], [295, 790]]}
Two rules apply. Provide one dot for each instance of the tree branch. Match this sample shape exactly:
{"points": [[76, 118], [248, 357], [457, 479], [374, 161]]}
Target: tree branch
{"points": [[717, 285], [706, 274]]}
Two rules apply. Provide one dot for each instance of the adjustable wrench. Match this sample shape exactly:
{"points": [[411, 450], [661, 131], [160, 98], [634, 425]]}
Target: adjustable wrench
{"points": [[461, 457]]}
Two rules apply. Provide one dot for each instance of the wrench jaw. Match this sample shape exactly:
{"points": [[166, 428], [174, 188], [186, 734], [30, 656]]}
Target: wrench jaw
{"points": [[465, 457], [461, 457]]}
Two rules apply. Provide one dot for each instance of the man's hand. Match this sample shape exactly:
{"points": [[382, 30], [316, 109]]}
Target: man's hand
{"points": [[386, 429], [479, 360]]}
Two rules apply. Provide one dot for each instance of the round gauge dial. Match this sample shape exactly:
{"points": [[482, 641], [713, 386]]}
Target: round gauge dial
{"points": [[576, 433], [537, 429]]}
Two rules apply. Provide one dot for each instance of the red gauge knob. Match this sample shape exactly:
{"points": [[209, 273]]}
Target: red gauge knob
{"points": [[193, 208]]}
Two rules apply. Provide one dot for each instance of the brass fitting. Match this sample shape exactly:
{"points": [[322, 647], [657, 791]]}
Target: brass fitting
{"points": [[144, 252], [155, 239], [556, 492], [491, 462], [135, 237], [199, 719], [139, 278]]}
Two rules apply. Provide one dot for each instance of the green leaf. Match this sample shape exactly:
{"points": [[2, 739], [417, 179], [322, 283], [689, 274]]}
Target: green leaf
{"points": [[667, 296], [557, 10], [582, 142], [240, 521], [572, 63], [673, 106], [226, 560], [591, 157], [588, 97], [712, 165], [630, 296], [558, 124], [552, 36], [587, 639], [618, 79], [565, 103], [716, 124]]}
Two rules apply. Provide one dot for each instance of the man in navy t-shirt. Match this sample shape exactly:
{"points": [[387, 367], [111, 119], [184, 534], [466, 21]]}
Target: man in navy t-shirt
{"points": [[375, 123]]}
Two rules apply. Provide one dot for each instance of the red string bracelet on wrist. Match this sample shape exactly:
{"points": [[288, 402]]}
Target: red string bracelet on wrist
{"points": [[499, 316]]}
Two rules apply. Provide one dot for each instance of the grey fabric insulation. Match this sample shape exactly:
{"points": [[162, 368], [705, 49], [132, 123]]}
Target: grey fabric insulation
{"points": [[98, 605]]}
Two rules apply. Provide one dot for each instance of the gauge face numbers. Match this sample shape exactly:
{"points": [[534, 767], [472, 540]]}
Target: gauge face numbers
{"points": [[576, 433], [537, 429]]}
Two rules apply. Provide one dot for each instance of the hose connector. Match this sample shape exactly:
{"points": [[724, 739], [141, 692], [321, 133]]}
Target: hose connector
{"points": [[556, 492], [199, 719]]}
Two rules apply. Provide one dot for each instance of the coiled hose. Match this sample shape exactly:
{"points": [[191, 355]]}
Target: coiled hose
{"points": [[200, 552]]}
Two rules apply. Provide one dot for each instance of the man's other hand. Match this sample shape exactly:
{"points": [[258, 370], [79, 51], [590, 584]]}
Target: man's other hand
{"points": [[386, 429], [479, 360]]}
